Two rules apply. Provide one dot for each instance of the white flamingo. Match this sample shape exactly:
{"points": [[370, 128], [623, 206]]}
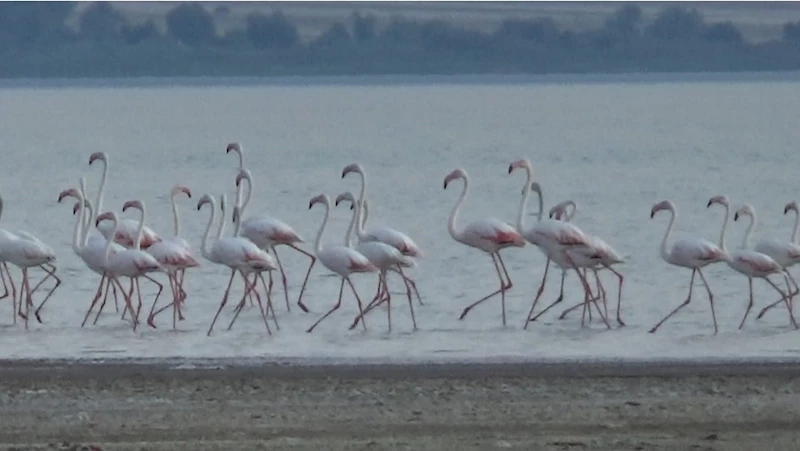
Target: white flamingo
{"points": [[342, 260], [786, 253], [607, 257], [127, 228], [131, 263], [561, 242], [90, 247], [488, 235], [175, 256], [387, 235], [694, 253], [11, 244], [383, 256], [268, 233], [750, 263], [239, 254]]}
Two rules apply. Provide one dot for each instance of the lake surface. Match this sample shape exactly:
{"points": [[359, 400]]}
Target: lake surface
{"points": [[614, 148]]}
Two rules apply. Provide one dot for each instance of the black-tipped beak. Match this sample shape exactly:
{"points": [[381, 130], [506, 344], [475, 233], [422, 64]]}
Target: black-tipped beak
{"points": [[736, 216], [445, 185], [652, 214], [336, 204], [510, 168], [310, 205], [709, 204], [785, 210]]}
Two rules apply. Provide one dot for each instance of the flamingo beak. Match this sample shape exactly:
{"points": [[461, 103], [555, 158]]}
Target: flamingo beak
{"points": [[63, 194], [510, 168], [187, 191], [709, 203]]}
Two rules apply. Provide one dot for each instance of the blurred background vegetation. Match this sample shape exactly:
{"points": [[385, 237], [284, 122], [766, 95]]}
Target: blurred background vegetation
{"points": [[102, 39]]}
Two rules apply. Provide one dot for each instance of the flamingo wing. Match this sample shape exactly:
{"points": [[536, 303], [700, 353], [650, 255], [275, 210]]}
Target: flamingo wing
{"points": [[495, 231], [394, 238]]}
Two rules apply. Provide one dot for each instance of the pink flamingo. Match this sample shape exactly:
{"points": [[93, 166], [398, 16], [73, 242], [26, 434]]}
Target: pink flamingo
{"points": [[131, 263], [268, 233], [488, 235], [239, 254], [90, 248], [11, 244], [383, 256], [694, 253], [342, 260], [607, 258], [175, 255], [387, 235], [751, 263], [563, 243], [127, 228]]}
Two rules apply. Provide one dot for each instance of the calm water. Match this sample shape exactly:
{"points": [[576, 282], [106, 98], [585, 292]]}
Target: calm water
{"points": [[614, 148]]}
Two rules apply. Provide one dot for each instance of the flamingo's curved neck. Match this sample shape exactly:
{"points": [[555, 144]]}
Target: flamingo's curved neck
{"points": [[221, 217], [87, 225], [242, 203], [139, 231], [98, 205], [796, 226], [237, 223], [318, 241], [113, 234], [664, 251], [749, 231], [1, 206], [363, 212], [204, 251], [451, 222], [526, 190], [176, 216], [569, 214], [350, 227], [76, 234], [724, 229]]}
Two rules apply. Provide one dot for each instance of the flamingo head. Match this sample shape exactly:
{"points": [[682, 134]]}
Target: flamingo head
{"points": [[137, 204], [791, 206], [744, 210], [244, 174], [67, 193], [346, 196], [722, 200], [233, 147], [663, 205], [77, 206], [319, 199], [177, 189], [456, 174], [206, 199], [109, 215], [560, 210], [355, 167], [523, 163], [98, 156]]}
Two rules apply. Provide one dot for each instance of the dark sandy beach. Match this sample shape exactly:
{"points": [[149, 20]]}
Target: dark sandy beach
{"points": [[601, 406]]}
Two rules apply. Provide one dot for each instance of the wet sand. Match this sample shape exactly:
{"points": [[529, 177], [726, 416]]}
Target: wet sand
{"points": [[597, 406]]}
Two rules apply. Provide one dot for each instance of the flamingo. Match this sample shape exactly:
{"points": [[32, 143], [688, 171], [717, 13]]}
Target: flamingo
{"points": [[90, 248], [341, 260], [239, 254], [127, 228], [175, 256], [383, 256], [562, 242], [131, 263], [268, 233], [11, 244], [488, 235], [787, 254], [750, 263], [390, 236], [694, 253], [608, 257]]}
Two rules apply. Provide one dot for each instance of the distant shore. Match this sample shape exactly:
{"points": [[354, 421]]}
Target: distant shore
{"points": [[598, 406]]}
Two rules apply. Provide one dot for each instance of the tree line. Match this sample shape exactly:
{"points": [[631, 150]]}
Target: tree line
{"points": [[36, 42]]}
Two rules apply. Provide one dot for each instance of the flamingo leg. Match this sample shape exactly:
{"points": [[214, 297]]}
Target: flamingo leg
{"points": [[781, 300], [556, 302], [381, 297], [335, 307], [223, 302], [358, 300], [28, 301], [501, 291], [684, 304], [96, 298], [113, 288], [619, 293], [13, 293], [305, 280], [710, 299], [270, 307], [750, 303], [51, 271], [127, 296], [538, 294], [410, 282], [261, 305], [173, 304], [283, 279], [160, 289], [14, 298], [250, 289], [785, 297]]}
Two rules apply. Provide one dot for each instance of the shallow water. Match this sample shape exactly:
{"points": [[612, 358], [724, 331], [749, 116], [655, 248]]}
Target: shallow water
{"points": [[614, 148]]}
